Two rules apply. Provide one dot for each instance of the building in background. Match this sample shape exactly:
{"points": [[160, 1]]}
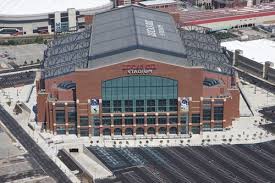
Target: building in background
{"points": [[136, 75], [217, 4], [29, 17], [227, 18], [159, 4], [126, 2]]}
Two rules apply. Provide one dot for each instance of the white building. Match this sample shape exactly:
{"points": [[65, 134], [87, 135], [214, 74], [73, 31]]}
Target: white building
{"points": [[39, 16], [261, 50]]}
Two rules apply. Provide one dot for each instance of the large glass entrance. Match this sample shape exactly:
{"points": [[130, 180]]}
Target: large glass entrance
{"points": [[139, 94]]}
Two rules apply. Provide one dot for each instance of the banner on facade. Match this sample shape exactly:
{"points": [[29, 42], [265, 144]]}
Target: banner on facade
{"points": [[95, 106], [184, 104]]}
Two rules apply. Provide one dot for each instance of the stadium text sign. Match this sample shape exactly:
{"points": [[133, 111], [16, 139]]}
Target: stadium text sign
{"points": [[151, 31], [139, 69]]}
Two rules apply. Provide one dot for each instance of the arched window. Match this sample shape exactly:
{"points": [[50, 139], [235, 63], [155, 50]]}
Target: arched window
{"points": [[128, 131], [162, 130], [107, 131], [173, 130], [139, 131], [117, 131], [139, 94], [151, 131]]}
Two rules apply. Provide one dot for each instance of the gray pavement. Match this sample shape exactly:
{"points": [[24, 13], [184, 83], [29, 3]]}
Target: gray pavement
{"points": [[33, 149], [21, 53], [7, 148]]}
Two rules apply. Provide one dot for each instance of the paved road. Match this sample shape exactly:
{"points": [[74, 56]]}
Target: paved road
{"points": [[34, 150]]}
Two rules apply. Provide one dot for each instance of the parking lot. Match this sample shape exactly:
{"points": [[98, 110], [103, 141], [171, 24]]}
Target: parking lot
{"points": [[12, 80], [16, 165], [220, 163], [21, 53]]}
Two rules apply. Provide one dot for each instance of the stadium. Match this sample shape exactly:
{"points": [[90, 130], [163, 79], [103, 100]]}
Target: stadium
{"points": [[133, 74], [26, 17]]}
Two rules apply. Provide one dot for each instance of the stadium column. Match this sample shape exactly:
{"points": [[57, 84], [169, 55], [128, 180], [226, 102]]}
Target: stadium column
{"points": [[112, 126], [54, 118], [212, 114], [178, 121], [134, 124], [167, 123], [157, 124], [190, 116], [78, 117], [90, 122], [48, 114], [224, 116], [123, 125], [145, 125], [201, 114], [66, 118], [100, 118]]}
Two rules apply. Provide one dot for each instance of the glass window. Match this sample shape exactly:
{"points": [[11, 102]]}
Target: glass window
{"points": [[173, 119], [173, 104], [106, 120], [218, 113], [128, 120], [162, 119], [95, 121], [117, 106], [128, 131], [60, 117], [206, 127], [117, 120], [196, 129], [184, 119], [218, 126], [117, 131], [72, 130], [162, 105], [184, 130], [207, 102], [218, 101], [195, 118], [128, 105], [140, 120], [173, 130], [72, 117], [84, 132], [135, 92], [96, 132], [106, 106], [206, 113], [61, 132], [84, 121], [151, 106], [151, 120], [106, 132], [140, 105], [139, 131]]}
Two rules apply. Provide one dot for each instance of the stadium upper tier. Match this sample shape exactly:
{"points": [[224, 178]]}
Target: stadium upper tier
{"points": [[30, 8], [133, 32]]}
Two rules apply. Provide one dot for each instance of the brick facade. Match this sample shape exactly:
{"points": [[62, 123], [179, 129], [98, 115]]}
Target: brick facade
{"points": [[88, 86]]}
